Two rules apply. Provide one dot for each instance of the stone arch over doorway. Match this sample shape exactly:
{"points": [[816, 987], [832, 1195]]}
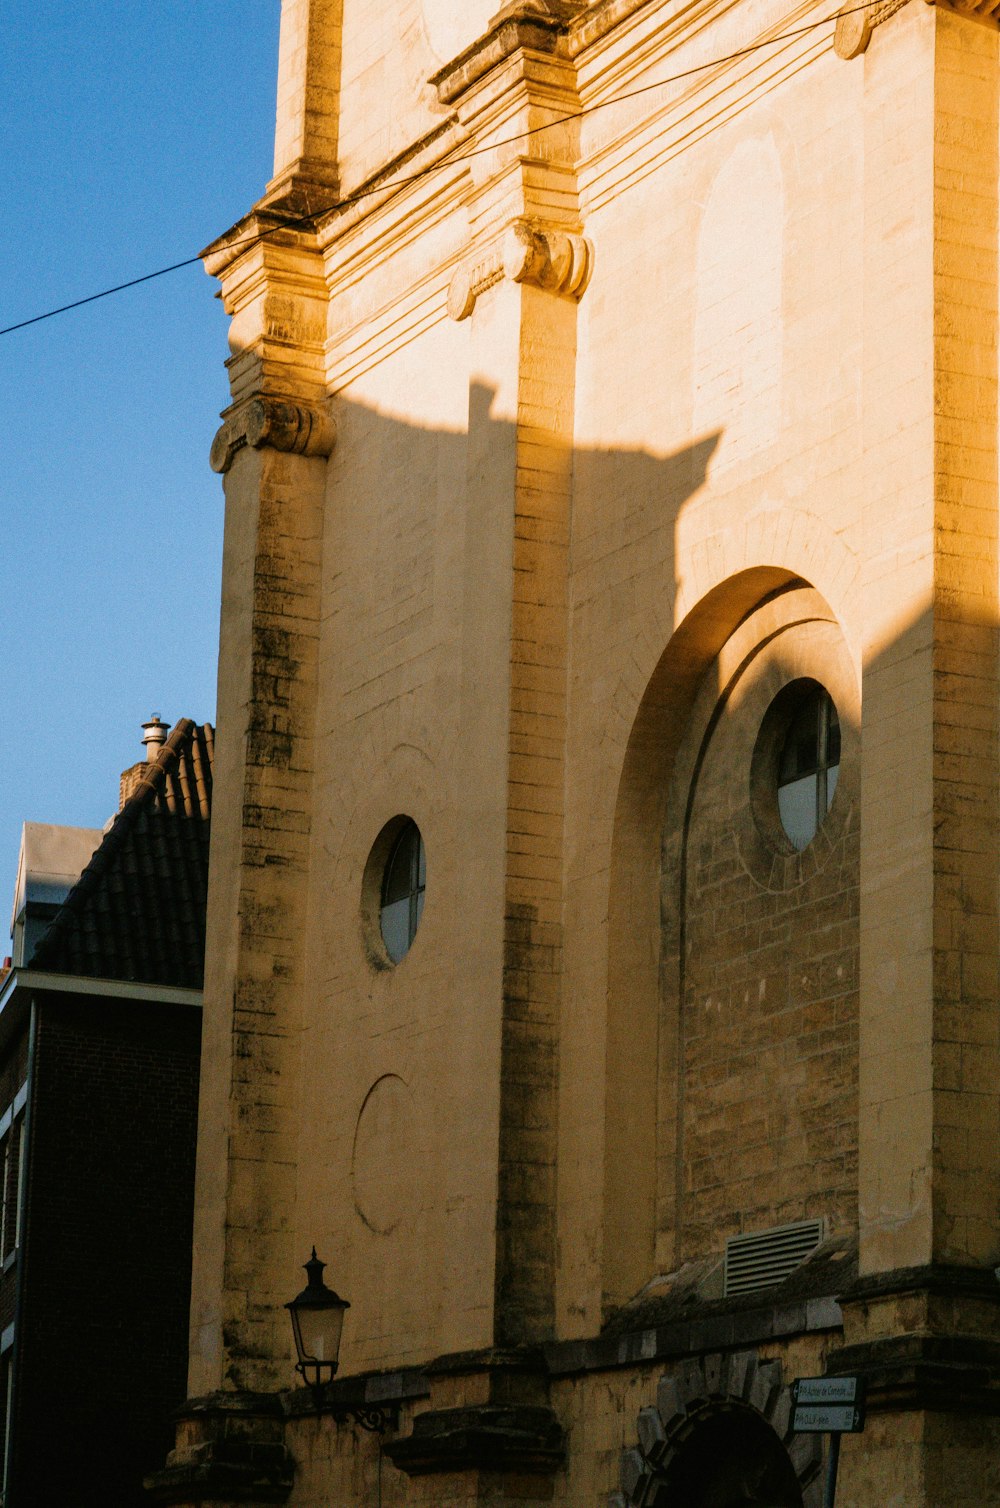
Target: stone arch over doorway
{"points": [[719, 1436]]}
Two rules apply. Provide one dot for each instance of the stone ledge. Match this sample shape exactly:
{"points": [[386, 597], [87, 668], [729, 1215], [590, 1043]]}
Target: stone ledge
{"points": [[489, 1358], [230, 1447], [489, 1437], [924, 1338], [214, 1477], [938, 1278], [945, 1374], [710, 1332], [370, 1390]]}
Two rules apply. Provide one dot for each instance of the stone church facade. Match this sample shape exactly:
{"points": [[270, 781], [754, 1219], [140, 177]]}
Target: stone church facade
{"points": [[603, 923]]}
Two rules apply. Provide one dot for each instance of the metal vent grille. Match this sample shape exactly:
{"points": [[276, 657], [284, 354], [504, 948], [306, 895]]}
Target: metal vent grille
{"points": [[767, 1257]]}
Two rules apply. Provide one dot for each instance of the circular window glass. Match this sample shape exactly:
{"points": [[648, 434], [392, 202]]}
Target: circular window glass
{"points": [[403, 882], [808, 747]]}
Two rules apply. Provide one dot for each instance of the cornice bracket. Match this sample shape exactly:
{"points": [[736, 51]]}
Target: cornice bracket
{"points": [[279, 423], [553, 260], [854, 27]]}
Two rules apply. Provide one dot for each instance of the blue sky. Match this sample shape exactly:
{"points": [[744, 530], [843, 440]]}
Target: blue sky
{"points": [[133, 134]]}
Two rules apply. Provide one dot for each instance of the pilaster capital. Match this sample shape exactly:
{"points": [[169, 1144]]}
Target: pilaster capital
{"points": [[854, 26], [280, 423], [554, 260]]}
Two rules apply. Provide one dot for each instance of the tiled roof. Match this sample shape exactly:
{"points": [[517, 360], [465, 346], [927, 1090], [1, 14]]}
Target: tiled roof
{"points": [[137, 911]]}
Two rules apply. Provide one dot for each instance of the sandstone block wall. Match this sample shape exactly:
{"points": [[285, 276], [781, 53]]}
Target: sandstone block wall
{"points": [[661, 351]]}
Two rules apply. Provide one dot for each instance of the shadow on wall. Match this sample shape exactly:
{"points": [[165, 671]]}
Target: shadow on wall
{"points": [[448, 631], [441, 657], [444, 592]]}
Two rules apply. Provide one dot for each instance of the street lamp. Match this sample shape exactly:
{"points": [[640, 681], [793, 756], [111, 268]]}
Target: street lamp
{"points": [[317, 1315], [317, 1322]]}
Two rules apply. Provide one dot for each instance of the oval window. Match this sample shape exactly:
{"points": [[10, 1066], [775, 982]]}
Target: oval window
{"points": [[808, 762], [403, 883]]}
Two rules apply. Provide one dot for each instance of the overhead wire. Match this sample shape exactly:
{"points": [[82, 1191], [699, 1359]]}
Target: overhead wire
{"points": [[310, 216]]}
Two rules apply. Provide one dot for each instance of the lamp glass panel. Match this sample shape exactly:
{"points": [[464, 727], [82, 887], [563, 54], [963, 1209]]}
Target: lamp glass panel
{"points": [[319, 1332]]}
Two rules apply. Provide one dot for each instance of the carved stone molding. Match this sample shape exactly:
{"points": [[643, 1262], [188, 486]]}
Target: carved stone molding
{"points": [[550, 259], [692, 1393], [854, 26], [275, 422], [469, 282]]}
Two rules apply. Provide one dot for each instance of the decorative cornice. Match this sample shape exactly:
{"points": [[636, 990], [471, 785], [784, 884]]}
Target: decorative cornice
{"points": [[553, 260], [854, 27], [537, 24], [278, 423], [267, 226]]}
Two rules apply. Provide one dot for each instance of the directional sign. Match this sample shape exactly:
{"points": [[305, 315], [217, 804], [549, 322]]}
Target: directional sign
{"points": [[827, 1390], [828, 1405], [827, 1418]]}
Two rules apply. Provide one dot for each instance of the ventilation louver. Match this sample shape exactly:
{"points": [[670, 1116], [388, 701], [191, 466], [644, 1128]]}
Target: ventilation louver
{"points": [[766, 1257]]}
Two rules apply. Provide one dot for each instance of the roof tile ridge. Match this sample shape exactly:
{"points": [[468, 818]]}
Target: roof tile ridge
{"points": [[154, 777], [124, 821]]}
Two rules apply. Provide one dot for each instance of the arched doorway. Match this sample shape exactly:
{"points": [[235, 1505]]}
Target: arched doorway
{"points": [[731, 1459]]}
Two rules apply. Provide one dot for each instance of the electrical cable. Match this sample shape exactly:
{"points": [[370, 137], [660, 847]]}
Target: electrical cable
{"points": [[397, 183]]}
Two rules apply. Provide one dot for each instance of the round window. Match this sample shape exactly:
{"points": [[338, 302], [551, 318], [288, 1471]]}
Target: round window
{"points": [[798, 756], [403, 882]]}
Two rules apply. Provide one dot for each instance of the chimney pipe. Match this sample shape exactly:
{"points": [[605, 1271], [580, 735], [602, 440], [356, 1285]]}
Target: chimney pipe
{"points": [[154, 736]]}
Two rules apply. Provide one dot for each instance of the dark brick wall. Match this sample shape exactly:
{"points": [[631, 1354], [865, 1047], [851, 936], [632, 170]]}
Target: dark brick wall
{"points": [[102, 1337], [13, 1071]]}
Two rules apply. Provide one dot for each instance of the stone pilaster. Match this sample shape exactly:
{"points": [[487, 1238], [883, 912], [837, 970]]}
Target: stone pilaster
{"points": [[929, 1138], [271, 449], [929, 1144], [526, 269], [307, 122]]}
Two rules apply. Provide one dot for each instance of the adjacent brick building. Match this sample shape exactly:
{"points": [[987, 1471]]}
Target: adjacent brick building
{"points": [[602, 959], [99, 1052]]}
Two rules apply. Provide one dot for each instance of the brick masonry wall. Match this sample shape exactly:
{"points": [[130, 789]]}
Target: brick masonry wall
{"points": [[107, 1249], [766, 1118], [13, 1072]]}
